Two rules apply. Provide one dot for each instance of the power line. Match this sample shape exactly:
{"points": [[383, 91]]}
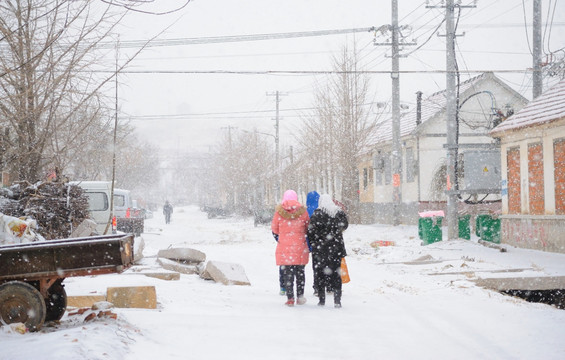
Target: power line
{"points": [[306, 72], [235, 38], [209, 115]]}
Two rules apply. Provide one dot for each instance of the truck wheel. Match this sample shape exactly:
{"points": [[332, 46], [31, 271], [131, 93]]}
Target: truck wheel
{"points": [[56, 302], [21, 303]]}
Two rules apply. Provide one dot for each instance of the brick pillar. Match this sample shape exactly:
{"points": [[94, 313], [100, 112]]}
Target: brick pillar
{"points": [[513, 175], [559, 176], [535, 179]]}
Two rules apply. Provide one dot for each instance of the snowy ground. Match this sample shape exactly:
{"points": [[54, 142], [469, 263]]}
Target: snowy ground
{"points": [[390, 310]]}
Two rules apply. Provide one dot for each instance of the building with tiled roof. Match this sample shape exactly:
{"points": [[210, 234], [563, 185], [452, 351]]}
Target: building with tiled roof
{"points": [[484, 101], [532, 145]]}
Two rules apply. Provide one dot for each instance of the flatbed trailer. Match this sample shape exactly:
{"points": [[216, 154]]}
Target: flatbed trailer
{"points": [[32, 274]]}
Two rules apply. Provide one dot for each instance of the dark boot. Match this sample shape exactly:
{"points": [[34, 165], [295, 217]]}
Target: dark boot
{"points": [[337, 298], [321, 297]]}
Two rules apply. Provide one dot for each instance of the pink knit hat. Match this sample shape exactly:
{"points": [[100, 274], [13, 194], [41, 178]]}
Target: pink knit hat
{"points": [[290, 195]]}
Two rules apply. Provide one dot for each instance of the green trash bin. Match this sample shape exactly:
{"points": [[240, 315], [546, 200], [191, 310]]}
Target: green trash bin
{"points": [[478, 223], [430, 229], [490, 229], [421, 228], [465, 227]]}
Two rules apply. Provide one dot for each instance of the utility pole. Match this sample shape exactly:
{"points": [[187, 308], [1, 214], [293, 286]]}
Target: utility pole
{"points": [[232, 195], [451, 110], [536, 51], [451, 119], [277, 94], [396, 146], [109, 225], [396, 149]]}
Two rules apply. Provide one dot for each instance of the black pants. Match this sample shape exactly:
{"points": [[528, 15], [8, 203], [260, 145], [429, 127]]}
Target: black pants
{"points": [[290, 272], [281, 277], [167, 218], [327, 276]]}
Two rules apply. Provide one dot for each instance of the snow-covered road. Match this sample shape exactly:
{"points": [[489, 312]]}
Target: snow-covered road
{"points": [[391, 310]]}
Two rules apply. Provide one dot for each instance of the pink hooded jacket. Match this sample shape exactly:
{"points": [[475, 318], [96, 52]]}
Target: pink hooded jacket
{"points": [[290, 223]]}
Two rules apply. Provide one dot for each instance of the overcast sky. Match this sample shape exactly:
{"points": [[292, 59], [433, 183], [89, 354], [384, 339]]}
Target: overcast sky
{"points": [[191, 105]]}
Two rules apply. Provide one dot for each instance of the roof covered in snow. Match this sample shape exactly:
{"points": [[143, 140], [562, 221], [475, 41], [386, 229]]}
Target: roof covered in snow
{"points": [[547, 107], [431, 107]]}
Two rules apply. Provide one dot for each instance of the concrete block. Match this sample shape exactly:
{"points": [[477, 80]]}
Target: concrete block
{"points": [[178, 267], [138, 246], [143, 297], [163, 275], [85, 228], [184, 255], [227, 273], [84, 300], [204, 273], [523, 283]]}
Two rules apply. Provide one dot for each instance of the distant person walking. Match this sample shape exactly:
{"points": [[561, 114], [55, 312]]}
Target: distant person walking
{"points": [[167, 211], [289, 227], [325, 235]]}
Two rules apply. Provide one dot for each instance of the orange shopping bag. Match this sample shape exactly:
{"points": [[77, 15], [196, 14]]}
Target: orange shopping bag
{"points": [[344, 272]]}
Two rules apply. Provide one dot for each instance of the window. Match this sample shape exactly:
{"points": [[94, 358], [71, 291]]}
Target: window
{"points": [[97, 201], [410, 165], [379, 168], [119, 200], [388, 169], [365, 178]]}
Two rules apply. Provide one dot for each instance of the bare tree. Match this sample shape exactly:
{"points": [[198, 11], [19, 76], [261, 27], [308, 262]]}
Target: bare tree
{"points": [[138, 168], [49, 95], [339, 129], [243, 169]]}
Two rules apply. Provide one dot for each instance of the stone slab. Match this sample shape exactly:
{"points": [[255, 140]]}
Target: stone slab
{"points": [[138, 247], [162, 275], [84, 300], [85, 228], [143, 297], [523, 283], [178, 267], [184, 255], [154, 273], [227, 273]]}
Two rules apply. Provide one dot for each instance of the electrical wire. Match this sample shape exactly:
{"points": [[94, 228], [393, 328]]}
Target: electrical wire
{"points": [[550, 28], [526, 26], [235, 38]]}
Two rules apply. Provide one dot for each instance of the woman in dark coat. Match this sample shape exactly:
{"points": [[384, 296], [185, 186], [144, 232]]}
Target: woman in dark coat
{"points": [[327, 224]]}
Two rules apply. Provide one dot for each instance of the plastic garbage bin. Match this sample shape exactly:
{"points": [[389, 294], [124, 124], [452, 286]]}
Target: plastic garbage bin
{"points": [[429, 226], [465, 227], [490, 229], [478, 223], [431, 229]]}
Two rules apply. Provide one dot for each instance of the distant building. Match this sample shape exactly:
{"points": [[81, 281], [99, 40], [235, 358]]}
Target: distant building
{"points": [[533, 173], [485, 100]]}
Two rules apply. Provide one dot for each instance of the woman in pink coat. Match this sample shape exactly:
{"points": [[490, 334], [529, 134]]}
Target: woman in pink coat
{"points": [[289, 226]]}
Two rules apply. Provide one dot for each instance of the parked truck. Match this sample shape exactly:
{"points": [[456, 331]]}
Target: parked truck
{"points": [[32, 274], [129, 217], [98, 193]]}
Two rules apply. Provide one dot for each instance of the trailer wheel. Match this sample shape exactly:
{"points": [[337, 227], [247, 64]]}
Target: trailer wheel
{"points": [[21, 302], [56, 302]]}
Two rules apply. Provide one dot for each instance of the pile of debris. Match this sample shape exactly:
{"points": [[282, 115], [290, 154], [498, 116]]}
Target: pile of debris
{"points": [[192, 261], [56, 207]]}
